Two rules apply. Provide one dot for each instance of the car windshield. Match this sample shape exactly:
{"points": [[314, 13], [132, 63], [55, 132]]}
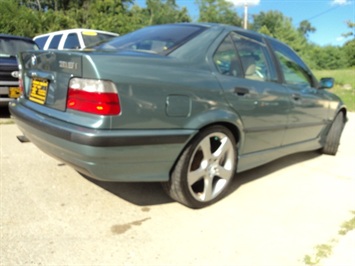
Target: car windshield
{"points": [[11, 47], [92, 37], [160, 39]]}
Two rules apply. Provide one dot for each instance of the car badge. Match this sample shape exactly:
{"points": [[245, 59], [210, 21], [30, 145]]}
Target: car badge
{"points": [[33, 60], [15, 74]]}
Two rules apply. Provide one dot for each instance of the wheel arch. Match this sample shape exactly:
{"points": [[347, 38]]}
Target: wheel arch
{"points": [[235, 130], [187, 192], [225, 118], [344, 111]]}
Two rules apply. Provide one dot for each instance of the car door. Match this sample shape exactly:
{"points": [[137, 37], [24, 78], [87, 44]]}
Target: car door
{"points": [[309, 105], [248, 78]]}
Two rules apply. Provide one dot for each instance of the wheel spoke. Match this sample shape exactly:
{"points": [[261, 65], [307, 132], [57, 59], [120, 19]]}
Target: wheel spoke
{"points": [[195, 176], [205, 146], [224, 173], [223, 148], [208, 190]]}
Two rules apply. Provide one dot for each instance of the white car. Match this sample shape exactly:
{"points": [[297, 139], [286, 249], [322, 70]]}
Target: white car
{"points": [[72, 38]]}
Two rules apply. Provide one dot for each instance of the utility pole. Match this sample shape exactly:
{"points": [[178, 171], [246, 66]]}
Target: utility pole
{"points": [[245, 15]]}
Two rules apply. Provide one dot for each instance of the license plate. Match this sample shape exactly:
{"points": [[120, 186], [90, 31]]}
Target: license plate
{"points": [[14, 92], [38, 92]]}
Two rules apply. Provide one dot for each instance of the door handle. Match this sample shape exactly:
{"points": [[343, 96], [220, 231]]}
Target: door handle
{"points": [[296, 96], [241, 91]]}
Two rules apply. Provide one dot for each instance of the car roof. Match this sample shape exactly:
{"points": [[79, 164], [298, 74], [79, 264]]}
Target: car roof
{"points": [[232, 27], [226, 26], [8, 36], [75, 30]]}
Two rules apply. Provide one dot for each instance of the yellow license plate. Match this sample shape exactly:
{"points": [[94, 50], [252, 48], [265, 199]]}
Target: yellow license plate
{"points": [[14, 92], [38, 92]]}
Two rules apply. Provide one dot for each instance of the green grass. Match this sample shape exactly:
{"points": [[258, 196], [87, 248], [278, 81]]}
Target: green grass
{"points": [[344, 84], [348, 225], [322, 251], [325, 250]]}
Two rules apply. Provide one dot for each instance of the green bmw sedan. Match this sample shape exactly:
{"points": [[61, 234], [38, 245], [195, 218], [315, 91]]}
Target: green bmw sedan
{"points": [[189, 105]]}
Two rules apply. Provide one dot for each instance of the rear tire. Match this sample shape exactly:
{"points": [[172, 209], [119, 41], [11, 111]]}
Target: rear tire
{"points": [[204, 170], [332, 139]]}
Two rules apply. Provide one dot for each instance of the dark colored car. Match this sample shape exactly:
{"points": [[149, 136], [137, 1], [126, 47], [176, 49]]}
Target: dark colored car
{"points": [[10, 46], [188, 105]]}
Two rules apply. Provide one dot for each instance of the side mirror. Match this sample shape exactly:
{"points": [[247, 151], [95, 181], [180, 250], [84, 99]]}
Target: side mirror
{"points": [[326, 83]]}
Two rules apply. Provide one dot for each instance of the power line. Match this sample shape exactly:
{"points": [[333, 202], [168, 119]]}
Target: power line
{"points": [[322, 13]]}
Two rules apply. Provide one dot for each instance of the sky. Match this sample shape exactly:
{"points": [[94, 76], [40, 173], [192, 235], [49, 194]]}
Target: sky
{"points": [[327, 16]]}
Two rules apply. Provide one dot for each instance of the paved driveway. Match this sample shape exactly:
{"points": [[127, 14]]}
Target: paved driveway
{"points": [[274, 215]]}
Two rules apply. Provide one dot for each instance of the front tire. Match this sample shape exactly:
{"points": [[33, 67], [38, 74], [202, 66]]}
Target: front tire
{"points": [[204, 170], [332, 139]]}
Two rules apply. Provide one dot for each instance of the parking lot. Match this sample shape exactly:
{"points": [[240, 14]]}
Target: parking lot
{"points": [[274, 215]]}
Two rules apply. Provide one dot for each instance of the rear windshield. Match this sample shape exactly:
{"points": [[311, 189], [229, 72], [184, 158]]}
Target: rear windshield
{"points": [[161, 39], [11, 47], [92, 37]]}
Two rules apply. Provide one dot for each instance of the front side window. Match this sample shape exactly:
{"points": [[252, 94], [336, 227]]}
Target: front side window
{"points": [[161, 39], [294, 70]]}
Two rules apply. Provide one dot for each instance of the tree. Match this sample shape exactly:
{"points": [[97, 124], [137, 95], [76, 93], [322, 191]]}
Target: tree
{"points": [[218, 11], [327, 57], [349, 51], [275, 24], [163, 12], [351, 25], [349, 47], [305, 28], [18, 20]]}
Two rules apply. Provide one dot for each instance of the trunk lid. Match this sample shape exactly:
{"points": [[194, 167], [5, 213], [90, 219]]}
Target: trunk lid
{"points": [[46, 76]]}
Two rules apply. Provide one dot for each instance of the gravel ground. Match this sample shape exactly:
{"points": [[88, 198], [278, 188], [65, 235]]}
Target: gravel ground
{"points": [[274, 215]]}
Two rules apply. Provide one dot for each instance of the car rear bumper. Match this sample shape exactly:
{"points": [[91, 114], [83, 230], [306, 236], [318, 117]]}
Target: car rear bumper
{"points": [[110, 155], [4, 101]]}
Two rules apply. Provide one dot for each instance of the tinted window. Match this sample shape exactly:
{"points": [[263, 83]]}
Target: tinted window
{"points": [[295, 72], [55, 41], [160, 39], [254, 57], [41, 41], [72, 41], [91, 38], [225, 57], [244, 57], [11, 47]]}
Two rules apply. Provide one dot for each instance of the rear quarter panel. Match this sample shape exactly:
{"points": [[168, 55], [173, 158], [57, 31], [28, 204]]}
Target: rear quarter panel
{"points": [[160, 92]]}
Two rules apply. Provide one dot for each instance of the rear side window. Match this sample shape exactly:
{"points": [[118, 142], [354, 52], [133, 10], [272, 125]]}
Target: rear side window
{"points": [[225, 57], [55, 41], [243, 56], [41, 41], [91, 38], [295, 72], [72, 41]]}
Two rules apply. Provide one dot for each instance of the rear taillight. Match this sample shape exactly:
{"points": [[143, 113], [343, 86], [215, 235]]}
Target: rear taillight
{"points": [[93, 96], [20, 84], [20, 80]]}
